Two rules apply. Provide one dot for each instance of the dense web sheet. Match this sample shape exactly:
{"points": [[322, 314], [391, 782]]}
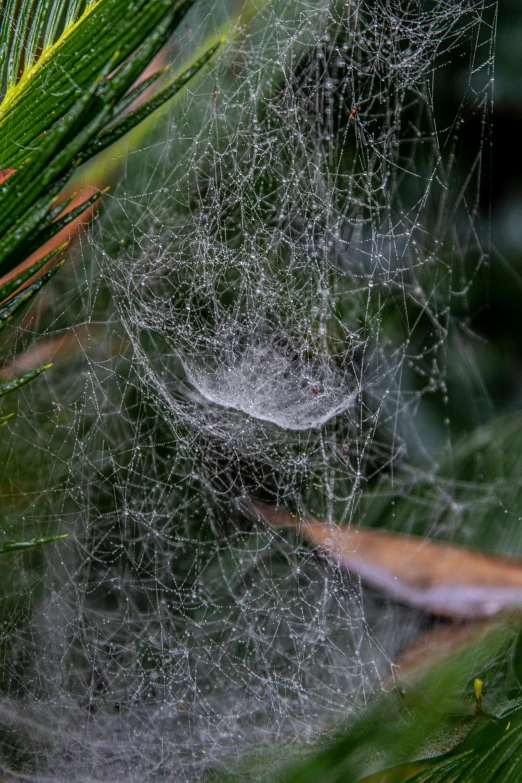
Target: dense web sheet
{"points": [[260, 312]]}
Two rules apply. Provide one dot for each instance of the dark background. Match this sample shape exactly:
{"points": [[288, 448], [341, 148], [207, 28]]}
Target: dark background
{"points": [[495, 304]]}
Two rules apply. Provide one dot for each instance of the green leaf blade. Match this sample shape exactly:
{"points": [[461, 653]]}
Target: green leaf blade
{"points": [[15, 546]]}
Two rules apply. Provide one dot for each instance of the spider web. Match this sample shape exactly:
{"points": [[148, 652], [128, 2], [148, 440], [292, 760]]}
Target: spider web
{"points": [[261, 311]]}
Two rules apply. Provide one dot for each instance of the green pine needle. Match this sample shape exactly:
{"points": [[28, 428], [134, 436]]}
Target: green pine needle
{"points": [[13, 546], [92, 55]]}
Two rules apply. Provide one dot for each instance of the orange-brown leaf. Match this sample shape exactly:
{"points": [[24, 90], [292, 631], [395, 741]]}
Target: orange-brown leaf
{"points": [[444, 579], [5, 174]]}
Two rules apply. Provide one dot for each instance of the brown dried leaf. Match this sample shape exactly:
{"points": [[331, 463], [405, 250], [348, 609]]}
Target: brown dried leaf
{"points": [[441, 641], [46, 351], [444, 579], [5, 174], [66, 345]]}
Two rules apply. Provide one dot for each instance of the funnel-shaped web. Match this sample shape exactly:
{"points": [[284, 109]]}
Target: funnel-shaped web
{"points": [[267, 305], [265, 383]]}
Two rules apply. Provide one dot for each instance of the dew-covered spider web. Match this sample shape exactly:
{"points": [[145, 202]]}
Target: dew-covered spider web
{"points": [[262, 310]]}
